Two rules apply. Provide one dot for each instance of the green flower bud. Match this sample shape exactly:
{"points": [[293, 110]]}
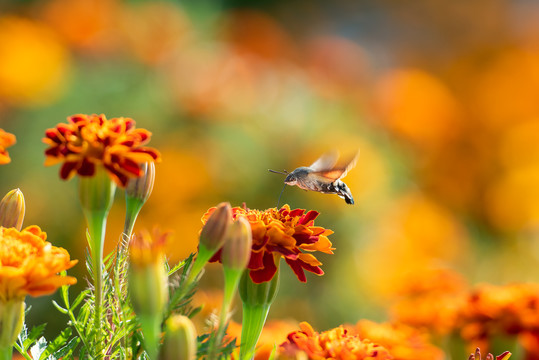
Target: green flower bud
{"points": [[180, 339], [213, 233], [137, 191], [237, 248], [12, 209]]}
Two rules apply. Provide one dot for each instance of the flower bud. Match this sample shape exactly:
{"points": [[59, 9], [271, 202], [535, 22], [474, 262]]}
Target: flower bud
{"points": [[12, 209], [213, 233], [141, 187], [148, 280], [180, 339], [137, 191], [237, 248]]}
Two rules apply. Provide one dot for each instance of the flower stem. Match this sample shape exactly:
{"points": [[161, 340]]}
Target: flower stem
{"points": [[257, 300], [133, 207], [254, 318], [6, 353], [151, 328], [97, 221], [232, 279]]}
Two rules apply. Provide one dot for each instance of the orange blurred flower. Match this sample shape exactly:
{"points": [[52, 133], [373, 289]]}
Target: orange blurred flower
{"points": [[430, 299], [418, 107], [492, 311], [29, 265], [88, 141], [336, 343], [33, 62], [154, 31], [88, 25], [285, 232], [402, 341], [272, 334], [147, 248], [6, 140]]}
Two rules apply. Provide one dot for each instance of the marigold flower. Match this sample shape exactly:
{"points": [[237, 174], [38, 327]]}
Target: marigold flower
{"points": [[491, 311], [430, 299], [402, 341], [87, 141], [336, 343], [29, 265], [6, 140], [289, 233]]}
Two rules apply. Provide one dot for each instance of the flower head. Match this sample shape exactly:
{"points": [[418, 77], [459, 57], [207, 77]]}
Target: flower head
{"points": [[402, 341], [336, 343], [491, 311], [288, 233], [6, 140], [88, 141], [29, 265]]}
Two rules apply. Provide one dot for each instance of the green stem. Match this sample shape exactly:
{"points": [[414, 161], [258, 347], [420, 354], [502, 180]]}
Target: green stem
{"points": [[6, 353], [97, 221], [254, 318], [151, 329], [232, 279], [133, 207]]}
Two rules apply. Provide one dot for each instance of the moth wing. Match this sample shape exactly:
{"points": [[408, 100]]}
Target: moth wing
{"points": [[325, 162], [337, 172]]}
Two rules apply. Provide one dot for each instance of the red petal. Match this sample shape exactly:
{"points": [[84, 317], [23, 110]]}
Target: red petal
{"points": [[67, 168], [87, 168], [266, 273], [311, 215]]}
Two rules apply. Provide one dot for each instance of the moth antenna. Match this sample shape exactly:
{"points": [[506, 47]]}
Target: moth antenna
{"points": [[284, 172], [279, 200]]}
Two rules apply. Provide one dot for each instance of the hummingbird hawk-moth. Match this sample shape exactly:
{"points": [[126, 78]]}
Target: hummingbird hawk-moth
{"points": [[324, 176]]}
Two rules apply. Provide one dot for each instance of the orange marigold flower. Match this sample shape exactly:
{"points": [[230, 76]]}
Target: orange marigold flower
{"points": [[87, 141], [29, 265], [6, 140], [337, 343], [430, 299], [492, 311], [289, 233], [402, 341]]}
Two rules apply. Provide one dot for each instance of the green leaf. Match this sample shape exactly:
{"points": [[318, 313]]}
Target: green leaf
{"points": [[67, 350], [79, 299], [34, 334], [59, 308], [57, 343], [39, 347]]}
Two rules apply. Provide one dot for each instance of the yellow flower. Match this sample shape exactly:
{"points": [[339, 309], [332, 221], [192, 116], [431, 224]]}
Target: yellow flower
{"points": [[88, 141], [33, 62], [29, 265]]}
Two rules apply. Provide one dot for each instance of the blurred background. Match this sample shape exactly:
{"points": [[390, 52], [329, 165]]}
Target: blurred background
{"points": [[441, 97]]}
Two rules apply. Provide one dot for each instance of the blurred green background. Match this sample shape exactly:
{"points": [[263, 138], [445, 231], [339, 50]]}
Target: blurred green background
{"points": [[441, 97]]}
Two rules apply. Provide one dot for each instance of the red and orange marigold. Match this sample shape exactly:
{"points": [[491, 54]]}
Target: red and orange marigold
{"points": [[290, 234], [336, 344], [6, 140], [29, 265], [88, 141]]}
